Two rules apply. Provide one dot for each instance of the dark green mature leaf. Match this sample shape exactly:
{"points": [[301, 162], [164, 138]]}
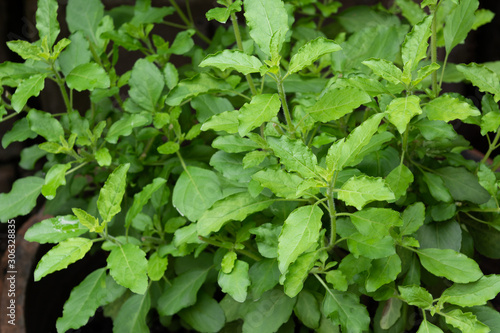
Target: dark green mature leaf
{"points": [[466, 322], [298, 273], [28, 88], [55, 230], [208, 105], [482, 77], [124, 126], [449, 108], [62, 255], [262, 108], [376, 221], [402, 110], [77, 53], [370, 246], [132, 315], [84, 16], [399, 179], [413, 218], [414, 48], [236, 283], [450, 264], [21, 199], [295, 155], [127, 264], [361, 190], [234, 144], [196, 185], [233, 59], [459, 23], [205, 316], [416, 295], [440, 235], [55, 177], [268, 313], [267, 239], [235, 207], [337, 102], [146, 84], [426, 327], [411, 11], [487, 315], [264, 276], [45, 125], [383, 271], [463, 185], [282, 183], [46, 20], [307, 309], [300, 232], [182, 292], [345, 310], [83, 301], [111, 194], [141, 198], [20, 132], [390, 318], [267, 19], [88, 76], [192, 87], [472, 294], [310, 52], [436, 187]]}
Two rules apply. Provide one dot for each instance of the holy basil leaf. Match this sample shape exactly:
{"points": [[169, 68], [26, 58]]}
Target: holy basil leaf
{"points": [[298, 272], [385, 69], [236, 283], [416, 295], [310, 52], [141, 198], [361, 190], [345, 310], [426, 327], [62, 255], [192, 87], [55, 177], [127, 265], [459, 23], [264, 276], [132, 315], [436, 187], [413, 218], [28, 88], [307, 309], [86, 219], [415, 45], [146, 84], [383, 271], [472, 294], [21, 199], [111, 194], [295, 155], [466, 322], [84, 15], [55, 230], [402, 110], [88, 76], [463, 185], [262, 108], [282, 183], [233, 59], [449, 108], [234, 144], [205, 316], [20, 132], [225, 121], [376, 221], [46, 125], [125, 125], [76, 54], [399, 179], [482, 77], [46, 20], [440, 235], [370, 246]]}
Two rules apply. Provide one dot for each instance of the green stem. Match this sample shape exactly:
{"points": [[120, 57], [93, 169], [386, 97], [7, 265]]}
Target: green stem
{"points": [[281, 92], [76, 168], [331, 211], [60, 82], [435, 87], [12, 115], [146, 149], [242, 251], [442, 71], [492, 147], [189, 23], [324, 284]]}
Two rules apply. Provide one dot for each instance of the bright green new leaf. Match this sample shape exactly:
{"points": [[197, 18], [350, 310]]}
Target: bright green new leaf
{"points": [[299, 234], [46, 20], [402, 110], [146, 84], [111, 194], [337, 279], [264, 275], [416, 295], [472, 294], [482, 77], [411, 11], [205, 316], [463, 185], [490, 122], [234, 144], [228, 262], [141, 199], [266, 237], [466, 322], [236, 283], [449, 108], [225, 121], [25, 49], [487, 179], [376, 221], [86, 219], [295, 155], [383, 271], [103, 157], [399, 179], [192, 87], [310, 52], [21, 199], [413, 218], [182, 292], [370, 246], [61, 255], [132, 317], [28, 88], [361, 190], [157, 266], [426, 327], [84, 16], [235, 207], [298, 273], [45, 125], [345, 310], [450, 264], [182, 42], [128, 265], [481, 17], [414, 48], [307, 309], [385, 69], [261, 109], [424, 72], [265, 19], [88, 76], [124, 126], [196, 185], [337, 102], [459, 23], [55, 230], [55, 177], [83, 301], [282, 183], [233, 59], [221, 14]]}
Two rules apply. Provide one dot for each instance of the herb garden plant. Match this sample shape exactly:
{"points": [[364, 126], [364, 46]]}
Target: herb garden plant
{"points": [[300, 171]]}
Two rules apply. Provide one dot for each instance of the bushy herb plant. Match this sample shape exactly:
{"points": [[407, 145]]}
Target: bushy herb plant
{"points": [[300, 171]]}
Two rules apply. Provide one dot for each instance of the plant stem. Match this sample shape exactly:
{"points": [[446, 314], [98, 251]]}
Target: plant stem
{"points": [[331, 211], [281, 92], [190, 24], [435, 87], [12, 115], [242, 251], [64, 93], [492, 147]]}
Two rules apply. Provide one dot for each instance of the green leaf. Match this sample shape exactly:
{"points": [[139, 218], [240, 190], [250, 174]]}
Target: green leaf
{"points": [[413, 218], [310, 52], [481, 17], [383, 271], [436, 187], [87, 76], [132, 315], [111, 194], [391, 313], [337, 279], [25, 49], [196, 185], [268, 313], [385, 69], [399, 179], [267, 235], [435, 129], [488, 316], [222, 14], [19, 132], [295, 155], [440, 235], [361, 190], [350, 152], [262, 108], [459, 23], [337, 102], [280, 182], [55, 177], [77, 53], [416, 295], [46, 20], [234, 144], [265, 19], [205, 316], [490, 122], [482, 77], [307, 309], [208, 105], [225, 121], [345, 309], [61, 255], [376, 221], [371, 247], [124, 126], [182, 293], [264, 275], [146, 84], [472, 294], [466, 322], [300, 233], [86, 219], [103, 157], [192, 87], [411, 11], [450, 264], [55, 230], [402, 110], [449, 108], [84, 16], [182, 42], [157, 266], [128, 265], [171, 75], [83, 301], [27, 88], [233, 59], [45, 125], [141, 198], [235, 207], [21, 199], [414, 48], [426, 327], [463, 185], [297, 273], [228, 262], [236, 283], [424, 72]]}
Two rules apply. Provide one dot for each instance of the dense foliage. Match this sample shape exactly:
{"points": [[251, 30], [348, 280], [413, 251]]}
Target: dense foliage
{"points": [[300, 170]]}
